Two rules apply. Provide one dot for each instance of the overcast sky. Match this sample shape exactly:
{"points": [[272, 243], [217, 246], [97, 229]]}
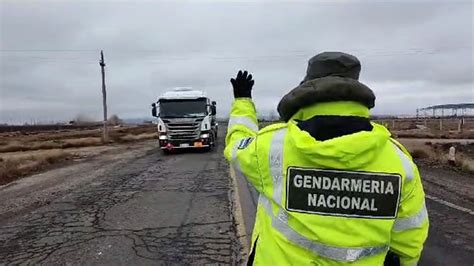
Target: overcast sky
{"points": [[413, 54]]}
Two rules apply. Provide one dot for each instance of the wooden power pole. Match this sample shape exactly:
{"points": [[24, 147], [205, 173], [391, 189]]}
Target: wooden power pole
{"points": [[105, 137]]}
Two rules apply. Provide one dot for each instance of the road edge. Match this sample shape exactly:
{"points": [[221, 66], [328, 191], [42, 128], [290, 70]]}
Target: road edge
{"points": [[238, 214]]}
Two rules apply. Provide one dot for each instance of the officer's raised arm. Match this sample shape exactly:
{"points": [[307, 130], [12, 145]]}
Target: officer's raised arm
{"points": [[240, 148]]}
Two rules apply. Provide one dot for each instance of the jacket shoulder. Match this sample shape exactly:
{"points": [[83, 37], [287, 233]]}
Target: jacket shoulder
{"points": [[272, 128], [401, 147]]}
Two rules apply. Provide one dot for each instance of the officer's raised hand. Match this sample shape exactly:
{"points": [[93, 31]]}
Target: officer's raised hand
{"points": [[242, 84]]}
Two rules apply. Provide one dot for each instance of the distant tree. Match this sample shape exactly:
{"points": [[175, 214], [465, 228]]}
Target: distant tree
{"points": [[114, 120], [82, 119], [273, 116]]}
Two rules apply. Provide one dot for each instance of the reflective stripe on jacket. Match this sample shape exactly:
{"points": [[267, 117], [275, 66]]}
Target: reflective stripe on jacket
{"points": [[288, 237]]}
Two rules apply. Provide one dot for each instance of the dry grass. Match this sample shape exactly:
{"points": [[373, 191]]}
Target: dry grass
{"points": [[20, 141], [414, 134], [24, 153], [82, 142], [433, 134], [15, 146], [14, 166], [437, 153], [143, 136], [466, 135]]}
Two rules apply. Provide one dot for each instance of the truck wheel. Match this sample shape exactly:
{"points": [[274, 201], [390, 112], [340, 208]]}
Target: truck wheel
{"points": [[214, 140], [212, 144]]}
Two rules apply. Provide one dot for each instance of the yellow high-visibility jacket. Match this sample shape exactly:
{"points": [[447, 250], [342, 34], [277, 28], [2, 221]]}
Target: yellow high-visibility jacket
{"points": [[342, 201]]}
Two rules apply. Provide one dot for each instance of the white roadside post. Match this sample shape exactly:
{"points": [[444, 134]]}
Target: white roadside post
{"points": [[452, 156]]}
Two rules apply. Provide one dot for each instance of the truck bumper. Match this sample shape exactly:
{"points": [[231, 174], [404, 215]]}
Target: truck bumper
{"points": [[184, 144], [188, 147]]}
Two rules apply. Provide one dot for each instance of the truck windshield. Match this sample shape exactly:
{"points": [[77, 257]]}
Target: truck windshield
{"points": [[183, 108]]}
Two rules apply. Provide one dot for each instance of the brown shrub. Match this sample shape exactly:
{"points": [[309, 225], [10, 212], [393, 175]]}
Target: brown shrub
{"points": [[8, 169], [420, 154], [467, 165]]}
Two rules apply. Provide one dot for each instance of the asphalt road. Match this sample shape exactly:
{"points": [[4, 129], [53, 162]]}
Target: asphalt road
{"points": [[133, 207], [450, 203]]}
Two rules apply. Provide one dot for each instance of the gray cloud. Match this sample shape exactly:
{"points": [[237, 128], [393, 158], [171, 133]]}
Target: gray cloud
{"points": [[413, 53]]}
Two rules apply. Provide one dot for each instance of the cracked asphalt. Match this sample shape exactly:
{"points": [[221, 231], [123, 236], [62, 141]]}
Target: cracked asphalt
{"points": [[136, 206]]}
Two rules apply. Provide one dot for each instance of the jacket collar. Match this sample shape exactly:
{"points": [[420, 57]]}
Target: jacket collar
{"points": [[339, 108]]}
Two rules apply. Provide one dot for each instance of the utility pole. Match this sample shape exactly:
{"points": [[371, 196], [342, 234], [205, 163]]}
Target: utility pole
{"points": [[105, 137]]}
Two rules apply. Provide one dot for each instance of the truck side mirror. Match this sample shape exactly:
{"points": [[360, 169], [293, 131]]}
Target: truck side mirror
{"points": [[153, 109], [213, 108]]}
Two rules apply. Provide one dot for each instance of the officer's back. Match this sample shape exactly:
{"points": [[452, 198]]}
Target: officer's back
{"points": [[334, 187]]}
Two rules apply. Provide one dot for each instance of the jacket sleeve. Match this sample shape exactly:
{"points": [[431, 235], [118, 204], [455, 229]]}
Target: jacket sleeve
{"points": [[410, 229], [241, 141]]}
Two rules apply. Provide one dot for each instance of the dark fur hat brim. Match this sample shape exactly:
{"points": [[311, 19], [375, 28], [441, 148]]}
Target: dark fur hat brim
{"points": [[327, 89]]}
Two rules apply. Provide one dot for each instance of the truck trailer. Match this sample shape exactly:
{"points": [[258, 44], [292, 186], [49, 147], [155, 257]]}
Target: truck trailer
{"points": [[186, 118]]}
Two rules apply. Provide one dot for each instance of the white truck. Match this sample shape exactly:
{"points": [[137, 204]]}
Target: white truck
{"points": [[186, 118]]}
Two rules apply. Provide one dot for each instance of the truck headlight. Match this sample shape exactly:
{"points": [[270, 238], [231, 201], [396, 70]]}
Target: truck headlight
{"points": [[206, 124], [161, 126], [205, 136], [163, 137]]}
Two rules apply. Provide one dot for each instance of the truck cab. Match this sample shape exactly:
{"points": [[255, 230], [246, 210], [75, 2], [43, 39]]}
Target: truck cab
{"points": [[186, 118]]}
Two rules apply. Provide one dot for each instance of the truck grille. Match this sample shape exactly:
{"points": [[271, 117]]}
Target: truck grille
{"points": [[183, 130]]}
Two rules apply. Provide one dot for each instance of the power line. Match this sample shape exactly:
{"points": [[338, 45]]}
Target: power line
{"points": [[45, 50], [163, 58], [383, 50]]}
